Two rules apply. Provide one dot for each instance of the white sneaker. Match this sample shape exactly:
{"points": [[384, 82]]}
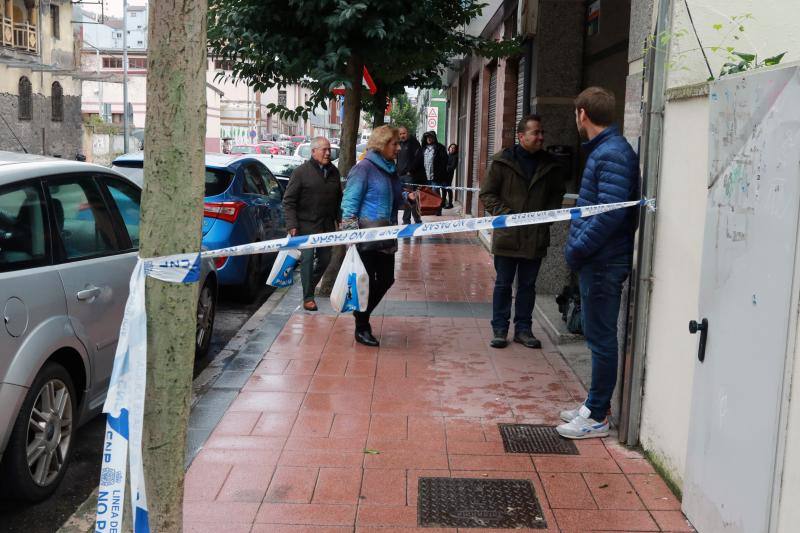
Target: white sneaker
{"points": [[568, 414], [583, 427]]}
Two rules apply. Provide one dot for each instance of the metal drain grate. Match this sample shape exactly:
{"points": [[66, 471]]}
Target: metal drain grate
{"points": [[486, 503], [527, 438]]}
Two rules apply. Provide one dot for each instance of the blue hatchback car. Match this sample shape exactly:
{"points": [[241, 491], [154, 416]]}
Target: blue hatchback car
{"points": [[243, 204]]}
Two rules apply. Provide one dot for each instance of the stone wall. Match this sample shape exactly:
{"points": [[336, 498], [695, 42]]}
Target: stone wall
{"points": [[41, 135]]}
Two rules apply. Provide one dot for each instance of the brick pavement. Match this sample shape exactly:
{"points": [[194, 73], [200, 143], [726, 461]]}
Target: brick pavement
{"points": [[331, 436]]}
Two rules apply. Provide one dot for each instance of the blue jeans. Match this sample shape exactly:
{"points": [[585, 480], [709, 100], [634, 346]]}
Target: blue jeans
{"points": [[526, 271], [601, 290]]}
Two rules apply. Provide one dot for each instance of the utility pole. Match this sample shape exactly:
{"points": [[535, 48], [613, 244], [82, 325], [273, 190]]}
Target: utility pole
{"points": [[174, 172], [125, 75]]}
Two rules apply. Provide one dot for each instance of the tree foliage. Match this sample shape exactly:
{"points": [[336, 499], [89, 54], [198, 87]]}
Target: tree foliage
{"points": [[309, 42], [404, 114]]}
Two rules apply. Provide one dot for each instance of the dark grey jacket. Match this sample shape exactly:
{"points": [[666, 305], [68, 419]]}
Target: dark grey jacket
{"points": [[506, 191], [311, 201]]}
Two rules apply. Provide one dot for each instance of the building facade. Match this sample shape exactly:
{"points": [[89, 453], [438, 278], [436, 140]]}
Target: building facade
{"points": [[39, 98], [432, 108], [730, 442]]}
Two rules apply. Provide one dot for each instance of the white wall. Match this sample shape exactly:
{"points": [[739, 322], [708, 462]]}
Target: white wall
{"points": [[676, 283], [771, 30], [789, 511]]}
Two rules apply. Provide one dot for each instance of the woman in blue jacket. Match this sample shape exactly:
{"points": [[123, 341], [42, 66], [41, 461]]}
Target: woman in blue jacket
{"points": [[371, 199]]}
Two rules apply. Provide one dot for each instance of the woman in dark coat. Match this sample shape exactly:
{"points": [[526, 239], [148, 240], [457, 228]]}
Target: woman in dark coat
{"points": [[452, 164]]}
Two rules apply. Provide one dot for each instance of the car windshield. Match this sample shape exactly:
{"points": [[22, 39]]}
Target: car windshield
{"points": [[298, 139], [217, 180], [239, 149], [304, 151], [281, 167]]}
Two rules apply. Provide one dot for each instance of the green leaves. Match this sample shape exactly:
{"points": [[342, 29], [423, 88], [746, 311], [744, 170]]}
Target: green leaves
{"points": [[774, 60], [748, 62]]}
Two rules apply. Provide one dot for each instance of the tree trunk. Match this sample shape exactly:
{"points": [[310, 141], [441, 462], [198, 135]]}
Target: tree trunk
{"points": [[352, 116], [347, 156], [379, 101], [171, 220]]}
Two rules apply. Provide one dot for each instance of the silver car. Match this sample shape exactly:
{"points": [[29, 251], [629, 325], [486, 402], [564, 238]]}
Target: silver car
{"points": [[69, 235]]}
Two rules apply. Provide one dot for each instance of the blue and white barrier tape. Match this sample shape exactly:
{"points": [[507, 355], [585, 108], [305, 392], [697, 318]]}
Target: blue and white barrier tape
{"points": [[125, 400], [449, 187]]}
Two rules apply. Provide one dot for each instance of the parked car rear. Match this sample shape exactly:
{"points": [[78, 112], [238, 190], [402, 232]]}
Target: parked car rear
{"points": [[243, 204], [69, 237]]}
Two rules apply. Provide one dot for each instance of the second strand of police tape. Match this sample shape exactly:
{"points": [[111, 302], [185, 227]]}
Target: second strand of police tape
{"points": [[126, 394]]}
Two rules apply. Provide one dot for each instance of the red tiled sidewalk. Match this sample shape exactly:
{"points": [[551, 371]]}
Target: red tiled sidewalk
{"points": [[292, 452]]}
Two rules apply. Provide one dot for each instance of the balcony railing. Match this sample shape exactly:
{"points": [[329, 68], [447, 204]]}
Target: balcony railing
{"points": [[19, 35]]}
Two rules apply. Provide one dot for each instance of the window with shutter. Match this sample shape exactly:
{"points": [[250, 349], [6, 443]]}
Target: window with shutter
{"points": [[25, 99], [57, 102]]}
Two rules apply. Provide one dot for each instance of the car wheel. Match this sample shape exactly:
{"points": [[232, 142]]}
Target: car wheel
{"points": [[206, 310], [40, 445]]}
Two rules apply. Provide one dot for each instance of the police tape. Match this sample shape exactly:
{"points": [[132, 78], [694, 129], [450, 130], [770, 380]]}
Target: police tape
{"points": [[124, 403], [449, 187]]}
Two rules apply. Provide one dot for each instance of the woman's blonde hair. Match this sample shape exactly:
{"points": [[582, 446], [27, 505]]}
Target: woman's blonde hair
{"points": [[381, 136]]}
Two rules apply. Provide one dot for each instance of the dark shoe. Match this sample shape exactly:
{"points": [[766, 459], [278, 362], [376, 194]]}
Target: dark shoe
{"points": [[310, 305], [527, 339], [366, 338], [499, 340], [449, 206]]}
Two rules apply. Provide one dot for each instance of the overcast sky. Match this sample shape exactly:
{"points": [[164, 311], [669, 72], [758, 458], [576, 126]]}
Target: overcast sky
{"points": [[113, 8]]}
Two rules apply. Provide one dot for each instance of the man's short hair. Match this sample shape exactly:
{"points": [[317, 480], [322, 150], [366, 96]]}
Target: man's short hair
{"points": [[523, 124], [316, 142], [599, 104]]}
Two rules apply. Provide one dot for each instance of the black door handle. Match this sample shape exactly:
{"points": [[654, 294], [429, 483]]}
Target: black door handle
{"points": [[702, 327]]}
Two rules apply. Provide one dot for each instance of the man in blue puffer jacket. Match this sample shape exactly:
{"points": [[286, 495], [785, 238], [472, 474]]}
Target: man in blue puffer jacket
{"points": [[600, 249]]}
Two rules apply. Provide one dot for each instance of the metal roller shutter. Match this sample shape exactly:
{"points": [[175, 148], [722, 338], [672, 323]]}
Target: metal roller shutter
{"points": [[492, 115], [476, 131], [520, 92], [475, 147]]}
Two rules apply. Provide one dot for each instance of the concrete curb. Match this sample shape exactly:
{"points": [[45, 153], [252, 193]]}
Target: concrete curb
{"points": [[82, 520]]}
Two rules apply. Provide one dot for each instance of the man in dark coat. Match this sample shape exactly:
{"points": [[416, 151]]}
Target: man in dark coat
{"points": [[600, 250], [521, 179], [409, 147], [311, 205], [431, 163]]}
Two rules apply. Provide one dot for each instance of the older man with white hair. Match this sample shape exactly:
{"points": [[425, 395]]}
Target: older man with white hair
{"points": [[311, 205]]}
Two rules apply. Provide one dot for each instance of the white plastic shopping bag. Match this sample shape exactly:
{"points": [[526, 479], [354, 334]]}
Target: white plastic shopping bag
{"points": [[351, 289], [285, 263]]}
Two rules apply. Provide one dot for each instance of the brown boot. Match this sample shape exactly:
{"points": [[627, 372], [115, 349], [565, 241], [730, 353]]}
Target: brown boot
{"points": [[310, 305]]}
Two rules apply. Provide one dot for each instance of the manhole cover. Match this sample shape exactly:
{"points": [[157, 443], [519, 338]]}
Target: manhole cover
{"points": [[527, 438], [486, 503]]}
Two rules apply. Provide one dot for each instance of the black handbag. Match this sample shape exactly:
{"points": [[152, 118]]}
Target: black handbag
{"points": [[388, 246]]}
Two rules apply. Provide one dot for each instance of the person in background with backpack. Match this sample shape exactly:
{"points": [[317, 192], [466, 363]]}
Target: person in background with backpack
{"points": [[372, 197], [409, 147], [432, 162]]}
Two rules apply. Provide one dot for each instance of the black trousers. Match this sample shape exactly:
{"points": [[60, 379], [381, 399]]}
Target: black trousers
{"points": [[380, 267]]}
